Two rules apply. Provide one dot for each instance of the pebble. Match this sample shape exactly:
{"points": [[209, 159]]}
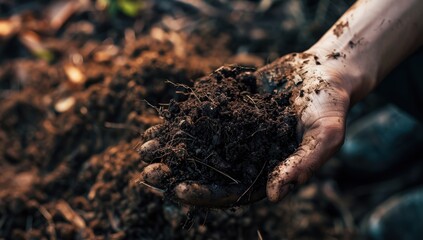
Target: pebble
{"points": [[65, 104]]}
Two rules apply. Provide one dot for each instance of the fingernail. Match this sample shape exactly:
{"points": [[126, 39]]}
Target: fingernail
{"points": [[285, 190], [156, 174], [148, 149], [152, 132]]}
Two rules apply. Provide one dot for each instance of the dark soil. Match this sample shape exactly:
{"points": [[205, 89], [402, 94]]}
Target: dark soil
{"points": [[68, 137], [226, 131]]}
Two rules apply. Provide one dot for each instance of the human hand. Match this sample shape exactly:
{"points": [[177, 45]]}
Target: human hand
{"points": [[320, 99]]}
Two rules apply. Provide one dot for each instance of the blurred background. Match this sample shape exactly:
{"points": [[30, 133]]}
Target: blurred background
{"points": [[73, 79]]}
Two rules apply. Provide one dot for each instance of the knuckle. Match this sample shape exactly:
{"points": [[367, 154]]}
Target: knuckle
{"points": [[334, 135], [156, 173], [332, 132], [148, 149], [152, 132]]}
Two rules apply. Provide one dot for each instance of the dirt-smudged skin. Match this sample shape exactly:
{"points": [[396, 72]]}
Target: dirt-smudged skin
{"points": [[226, 132]]}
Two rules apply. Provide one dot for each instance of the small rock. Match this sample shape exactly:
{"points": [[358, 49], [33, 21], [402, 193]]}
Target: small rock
{"points": [[74, 75], [65, 104]]}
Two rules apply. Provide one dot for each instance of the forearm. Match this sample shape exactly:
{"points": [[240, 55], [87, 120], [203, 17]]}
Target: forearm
{"points": [[370, 39]]}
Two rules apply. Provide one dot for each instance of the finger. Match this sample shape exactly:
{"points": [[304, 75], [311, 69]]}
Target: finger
{"points": [[148, 150], [155, 174], [217, 196], [153, 178], [320, 142], [152, 132]]}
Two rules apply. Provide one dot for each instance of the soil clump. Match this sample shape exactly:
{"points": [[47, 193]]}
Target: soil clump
{"points": [[226, 131]]}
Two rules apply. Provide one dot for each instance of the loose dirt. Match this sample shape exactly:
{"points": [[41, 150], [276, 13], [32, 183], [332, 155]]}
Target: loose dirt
{"points": [[226, 132]]}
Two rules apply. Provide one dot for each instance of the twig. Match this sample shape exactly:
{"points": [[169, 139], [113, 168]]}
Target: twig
{"points": [[50, 229], [259, 236], [184, 86], [152, 187], [151, 105], [205, 218], [252, 101], [217, 170], [205, 118], [120, 126], [252, 184], [211, 154], [162, 156], [182, 92], [192, 224], [189, 220], [170, 143], [114, 221], [189, 135], [260, 130]]}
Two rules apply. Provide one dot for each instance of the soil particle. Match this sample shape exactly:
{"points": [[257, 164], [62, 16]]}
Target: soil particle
{"points": [[351, 44], [335, 55], [339, 28]]}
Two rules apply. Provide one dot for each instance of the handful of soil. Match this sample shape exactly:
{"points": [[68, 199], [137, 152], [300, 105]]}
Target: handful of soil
{"points": [[226, 132]]}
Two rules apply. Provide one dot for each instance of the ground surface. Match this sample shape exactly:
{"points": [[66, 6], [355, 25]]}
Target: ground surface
{"points": [[73, 80]]}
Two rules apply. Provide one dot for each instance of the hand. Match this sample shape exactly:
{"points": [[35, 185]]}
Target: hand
{"points": [[320, 99]]}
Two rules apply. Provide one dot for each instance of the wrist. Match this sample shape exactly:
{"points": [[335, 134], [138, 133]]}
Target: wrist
{"points": [[356, 73]]}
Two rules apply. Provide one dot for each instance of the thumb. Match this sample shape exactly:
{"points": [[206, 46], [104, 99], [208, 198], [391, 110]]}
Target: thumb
{"points": [[320, 141]]}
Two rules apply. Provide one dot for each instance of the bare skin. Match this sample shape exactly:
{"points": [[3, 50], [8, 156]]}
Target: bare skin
{"points": [[365, 44]]}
